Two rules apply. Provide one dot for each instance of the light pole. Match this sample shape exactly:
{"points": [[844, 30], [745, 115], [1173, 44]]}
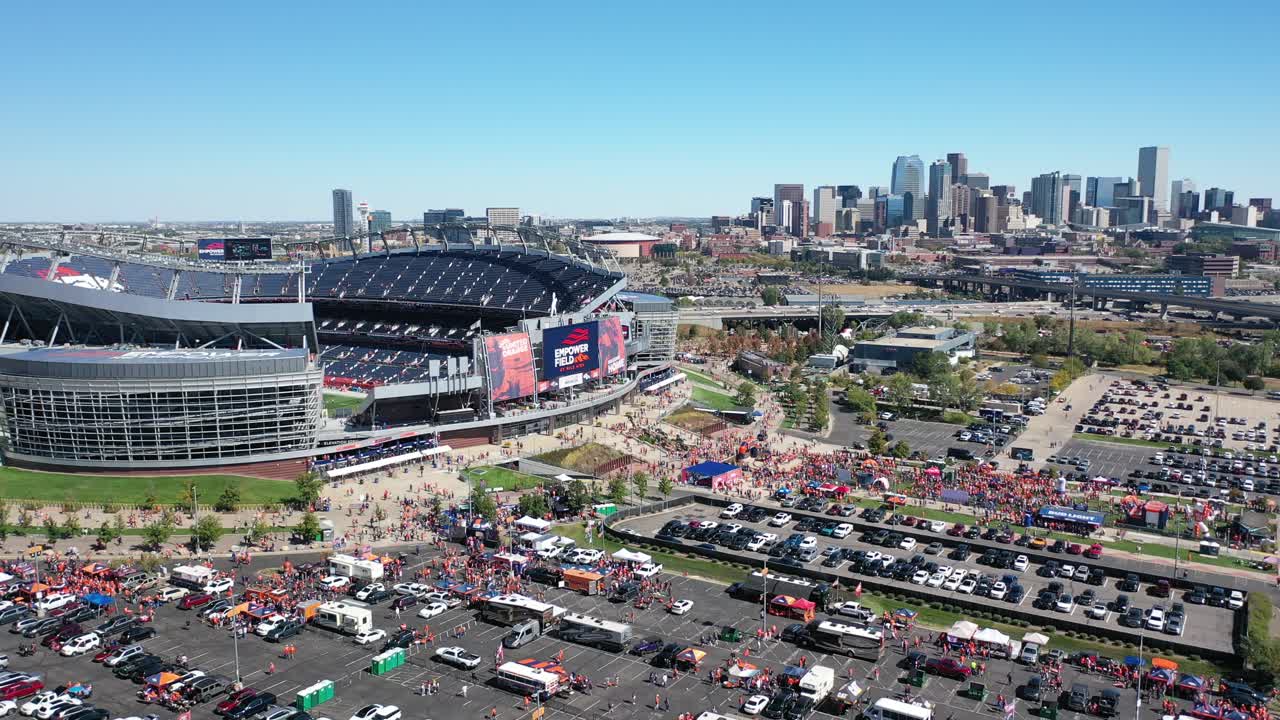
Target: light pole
{"points": [[1137, 707]]}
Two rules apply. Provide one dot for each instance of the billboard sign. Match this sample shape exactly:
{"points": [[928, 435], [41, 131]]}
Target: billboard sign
{"points": [[570, 352], [211, 249], [613, 347], [509, 359], [247, 249]]}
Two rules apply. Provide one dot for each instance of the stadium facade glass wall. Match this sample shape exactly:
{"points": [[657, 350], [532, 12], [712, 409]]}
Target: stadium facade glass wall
{"points": [[102, 408]]}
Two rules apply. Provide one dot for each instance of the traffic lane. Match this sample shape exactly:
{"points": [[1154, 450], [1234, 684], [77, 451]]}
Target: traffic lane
{"points": [[1205, 625]]}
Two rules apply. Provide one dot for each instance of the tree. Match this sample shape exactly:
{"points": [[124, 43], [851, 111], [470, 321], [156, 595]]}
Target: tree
{"points": [[188, 502], [206, 532], [577, 496], [640, 481], [901, 450], [617, 489], [665, 486], [106, 533], [157, 533], [117, 526], [4, 521], [51, 529], [229, 499], [1253, 382], [309, 484], [746, 396], [944, 390], [70, 526], [533, 505], [900, 391], [859, 400], [257, 531], [482, 504], [769, 294], [930, 366], [308, 527], [877, 442]]}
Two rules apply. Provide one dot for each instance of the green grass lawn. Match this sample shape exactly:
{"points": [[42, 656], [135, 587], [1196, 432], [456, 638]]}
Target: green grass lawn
{"points": [[932, 618], [699, 378], [21, 485], [712, 399], [500, 477], [333, 401]]}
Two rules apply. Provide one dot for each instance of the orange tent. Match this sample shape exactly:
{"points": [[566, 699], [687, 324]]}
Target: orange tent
{"points": [[242, 607], [1163, 663]]}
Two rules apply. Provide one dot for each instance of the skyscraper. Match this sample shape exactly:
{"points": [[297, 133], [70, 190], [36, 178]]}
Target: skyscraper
{"points": [[1176, 194], [502, 215], [762, 211], [1074, 194], [825, 204], [379, 221], [343, 216], [959, 167], [1153, 174], [977, 181], [1100, 191], [784, 216], [1189, 205], [908, 176], [1216, 198], [939, 206], [849, 195], [1049, 197], [1005, 194]]}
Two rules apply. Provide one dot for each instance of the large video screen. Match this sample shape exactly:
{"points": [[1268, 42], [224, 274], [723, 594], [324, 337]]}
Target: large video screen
{"points": [[510, 361], [613, 347], [570, 352], [246, 249], [211, 249]]}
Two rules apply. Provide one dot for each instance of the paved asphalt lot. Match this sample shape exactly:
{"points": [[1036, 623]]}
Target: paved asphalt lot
{"points": [[322, 655], [1205, 625], [930, 438], [1112, 460]]}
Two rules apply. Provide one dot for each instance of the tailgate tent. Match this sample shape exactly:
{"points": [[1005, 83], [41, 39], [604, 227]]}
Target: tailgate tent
{"points": [[715, 475], [533, 524], [962, 630], [632, 556]]}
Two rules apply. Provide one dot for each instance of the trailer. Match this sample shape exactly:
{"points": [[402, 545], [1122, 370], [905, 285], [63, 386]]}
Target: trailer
{"points": [[772, 585], [602, 634], [343, 616], [355, 568], [193, 577], [817, 684], [513, 608]]}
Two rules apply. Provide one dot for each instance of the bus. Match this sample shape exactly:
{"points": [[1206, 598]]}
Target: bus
{"points": [[860, 641], [528, 681], [601, 634], [890, 709]]}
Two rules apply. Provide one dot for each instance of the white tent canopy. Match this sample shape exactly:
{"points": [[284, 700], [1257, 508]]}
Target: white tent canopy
{"points": [[386, 461], [533, 523], [991, 636], [632, 556], [1036, 639], [564, 478], [963, 630]]}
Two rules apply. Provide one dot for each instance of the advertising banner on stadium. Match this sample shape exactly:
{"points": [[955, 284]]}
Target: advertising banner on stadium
{"points": [[509, 358], [570, 353], [613, 348], [211, 249]]}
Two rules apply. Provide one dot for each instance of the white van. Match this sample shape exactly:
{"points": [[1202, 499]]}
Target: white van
{"points": [[81, 644], [890, 709]]}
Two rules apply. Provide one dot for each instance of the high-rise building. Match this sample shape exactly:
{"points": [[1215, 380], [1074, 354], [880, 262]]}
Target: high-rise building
{"points": [[1246, 215], [1132, 210], [502, 215], [1100, 191], [379, 221], [1153, 174], [442, 217], [343, 217], [939, 205], [825, 204], [908, 179], [793, 217], [849, 195], [1177, 189], [959, 167], [1263, 204], [895, 210], [962, 197], [1004, 194], [1218, 199], [1189, 205], [1073, 193], [986, 218], [762, 211], [875, 191], [1124, 188], [1050, 195], [977, 181]]}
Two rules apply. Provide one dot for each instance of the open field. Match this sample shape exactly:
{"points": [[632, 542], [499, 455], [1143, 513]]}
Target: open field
{"points": [[870, 291], [712, 399], [583, 458], [334, 401], [16, 484], [499, 477]]}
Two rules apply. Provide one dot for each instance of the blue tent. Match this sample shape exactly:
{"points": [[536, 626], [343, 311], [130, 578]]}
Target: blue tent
{"points": [[710, 468], [99, 599]]}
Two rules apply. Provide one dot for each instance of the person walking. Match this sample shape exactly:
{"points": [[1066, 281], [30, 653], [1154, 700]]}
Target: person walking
{"points": [[463, 691]]}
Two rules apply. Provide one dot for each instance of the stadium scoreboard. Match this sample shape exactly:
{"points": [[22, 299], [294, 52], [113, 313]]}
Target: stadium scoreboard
{"points": [[235, 249]]}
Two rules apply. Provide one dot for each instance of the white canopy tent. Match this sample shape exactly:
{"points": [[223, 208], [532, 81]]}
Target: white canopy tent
{"points": [[385, 462], [991, 636], [533, 524], [632, 556], [963, 630], [1035, 639]]}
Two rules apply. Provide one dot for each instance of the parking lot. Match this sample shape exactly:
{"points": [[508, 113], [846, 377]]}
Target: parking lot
{"points": [[1111, 460], [324, 655], [1205, 626], [930, 438]]}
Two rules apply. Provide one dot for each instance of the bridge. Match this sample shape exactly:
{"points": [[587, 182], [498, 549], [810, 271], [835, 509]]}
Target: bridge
{"points": [[1019, 289]]}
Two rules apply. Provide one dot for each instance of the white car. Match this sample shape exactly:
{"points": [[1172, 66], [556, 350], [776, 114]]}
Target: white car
{"points": [[550, 553], [731, 511], [648, 570], [122, 654], [680, 607], [459, 657], [843, 530], [1082, 573], [998, 591], [8, 707], [953, 582], [377, 712], [432, 609], [587, 556], [414, 589], [57, 706], [965, 435], [172, 593], [780, 519], [849, 608], [276, 712], [754, 704], [53, 601], [444, 598], [269, 623], [334, 582], [907, 544], [936, 580], [1021, 563], [967, 585], [219, 586], [937, 526], [809, 542], [42, 699], [1155, 619], [1235, 600], [921, 577], [364, 592], [1098, 611], [1067, 572], [756, 543], [1065, 604], [369, 635], [81, 644]]}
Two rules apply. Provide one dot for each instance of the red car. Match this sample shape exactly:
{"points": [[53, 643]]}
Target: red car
{"points": [[234, 700], [956, 530], [1094, 552], [195, 601], [18, 690], [106, 651], [1074, 549], [948, 667], [910, 521]]}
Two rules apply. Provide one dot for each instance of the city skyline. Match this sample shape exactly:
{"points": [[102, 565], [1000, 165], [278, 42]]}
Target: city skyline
{"points": [[241, 112]]}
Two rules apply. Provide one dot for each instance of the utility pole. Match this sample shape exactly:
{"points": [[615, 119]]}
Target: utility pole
{"points": [[1071, 331]]}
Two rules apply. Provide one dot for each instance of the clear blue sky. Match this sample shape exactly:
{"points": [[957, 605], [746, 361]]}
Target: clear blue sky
{"points": [[225, 110]]}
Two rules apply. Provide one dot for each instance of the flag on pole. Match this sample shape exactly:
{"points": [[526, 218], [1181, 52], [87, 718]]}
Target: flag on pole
{"points": [[857, 592], [500, 653]]}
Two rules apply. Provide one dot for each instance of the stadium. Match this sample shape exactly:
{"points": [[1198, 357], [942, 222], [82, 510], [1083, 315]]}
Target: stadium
{"points": [[115, 358]]}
